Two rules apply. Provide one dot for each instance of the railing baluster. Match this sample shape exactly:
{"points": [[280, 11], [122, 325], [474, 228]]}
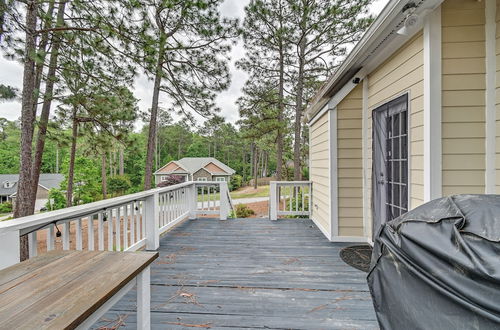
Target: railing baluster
{"points": [[65, 235], [100, 231], [125, 226], [138, 221], [303, 193], [132, 223], [50, 237], [78, 231], [110, 229], [90, 232], [33, 244], [143, 220], [118, 229]]}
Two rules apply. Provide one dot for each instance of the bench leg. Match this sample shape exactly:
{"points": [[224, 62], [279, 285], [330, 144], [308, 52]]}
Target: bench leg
{"points": [[144, 300]]}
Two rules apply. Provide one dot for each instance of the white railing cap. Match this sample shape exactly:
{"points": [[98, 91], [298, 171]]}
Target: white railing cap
{"points": [[82, 210]]}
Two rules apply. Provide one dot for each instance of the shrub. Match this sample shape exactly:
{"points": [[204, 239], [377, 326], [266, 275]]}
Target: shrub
{"points": [[6, 207], [236, 182], [118, 184], [171, 180], [58, 200], [243, 211]]}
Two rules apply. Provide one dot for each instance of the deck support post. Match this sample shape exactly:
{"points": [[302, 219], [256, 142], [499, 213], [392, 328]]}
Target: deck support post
{"points": [[151, 216], [144, 299], [224, 201], [273, 201], [9, 248]]}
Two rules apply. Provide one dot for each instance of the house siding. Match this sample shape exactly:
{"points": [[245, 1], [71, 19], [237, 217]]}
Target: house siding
{"points": [[350, 163], [202, 173], [463, 97], [497, 103], [320, 172], [401, 73]]}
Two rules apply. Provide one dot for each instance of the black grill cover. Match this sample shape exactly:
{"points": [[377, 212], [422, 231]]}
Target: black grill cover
{"points": [[438, 266]]}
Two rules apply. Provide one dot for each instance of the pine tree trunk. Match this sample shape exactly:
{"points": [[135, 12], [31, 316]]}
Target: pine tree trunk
{"points": [[23, 205], [148, 173], [47, 102], [281, 110], [110, 163], [42, 49], [103, 174], [298, 111], [255, 167], [71, 170], [122, 170], [57, 159]]}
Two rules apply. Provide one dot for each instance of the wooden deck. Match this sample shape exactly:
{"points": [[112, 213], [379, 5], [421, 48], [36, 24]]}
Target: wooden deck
{"points": [[251, 274]]}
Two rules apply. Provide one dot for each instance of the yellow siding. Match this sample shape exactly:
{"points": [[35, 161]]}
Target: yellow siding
{"points": [[401, 73], [320, 171], [497, 130], [350, 165], [463, 98]]}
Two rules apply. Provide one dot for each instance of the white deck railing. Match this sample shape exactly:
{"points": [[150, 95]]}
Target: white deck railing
{"points": [[289, 198], [125, 223]]}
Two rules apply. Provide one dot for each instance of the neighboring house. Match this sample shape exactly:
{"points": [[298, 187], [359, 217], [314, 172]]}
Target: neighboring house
{"points": [[195, 169], [412, 114], [8, 187]]}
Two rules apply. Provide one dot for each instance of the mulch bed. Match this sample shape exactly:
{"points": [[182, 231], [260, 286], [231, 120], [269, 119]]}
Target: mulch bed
{"points": [[357, 256]]}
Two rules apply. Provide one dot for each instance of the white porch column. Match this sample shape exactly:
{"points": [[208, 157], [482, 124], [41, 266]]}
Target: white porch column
{"points": [[334, 210], [367, 224], [9, 248], [490, 115], [432, 106]]}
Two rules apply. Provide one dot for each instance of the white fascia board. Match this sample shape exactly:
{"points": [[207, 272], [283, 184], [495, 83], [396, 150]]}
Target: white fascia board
{"points": [[338, 97]]}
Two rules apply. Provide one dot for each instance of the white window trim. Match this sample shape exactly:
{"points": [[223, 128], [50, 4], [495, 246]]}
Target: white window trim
{"points": [[220, 179], [201, 179]]}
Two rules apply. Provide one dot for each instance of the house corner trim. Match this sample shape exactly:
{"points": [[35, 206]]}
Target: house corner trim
{"points": [[432, 106]]}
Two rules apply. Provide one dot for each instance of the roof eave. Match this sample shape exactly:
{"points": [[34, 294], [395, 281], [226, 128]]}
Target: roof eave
{"points": [[354, 62]]}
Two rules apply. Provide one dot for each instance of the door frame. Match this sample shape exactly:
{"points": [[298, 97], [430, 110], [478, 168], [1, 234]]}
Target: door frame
{"points": [[371, 111]]}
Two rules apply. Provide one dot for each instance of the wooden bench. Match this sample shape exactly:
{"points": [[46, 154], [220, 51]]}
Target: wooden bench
{"points": [[73, 289]]}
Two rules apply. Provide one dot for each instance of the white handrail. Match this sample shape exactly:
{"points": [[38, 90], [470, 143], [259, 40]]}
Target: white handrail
{"points": [[131, 222], [289, 198]]}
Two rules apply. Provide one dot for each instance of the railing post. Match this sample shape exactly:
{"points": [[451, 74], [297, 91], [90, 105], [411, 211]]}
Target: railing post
{"points": [[309, 205], [273, 200], [224, 201], [192, 201], [151, 217], [9, 249]]}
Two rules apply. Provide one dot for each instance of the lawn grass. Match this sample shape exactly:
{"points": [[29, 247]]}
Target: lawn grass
{"points": [[245, 192]]}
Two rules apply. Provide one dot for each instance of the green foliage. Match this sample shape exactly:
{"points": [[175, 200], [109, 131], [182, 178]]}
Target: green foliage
{"points": [[236, 182], [87, 180], [118, 185], [58, 198], [7, 92], [6, 207], [243, 211]]}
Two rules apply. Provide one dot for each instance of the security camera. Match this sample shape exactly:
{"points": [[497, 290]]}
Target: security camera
{"points": [[411, 21]]}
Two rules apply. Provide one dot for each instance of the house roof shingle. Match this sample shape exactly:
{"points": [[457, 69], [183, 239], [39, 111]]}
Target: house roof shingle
{"points": [[194, 164], [47, 180]]}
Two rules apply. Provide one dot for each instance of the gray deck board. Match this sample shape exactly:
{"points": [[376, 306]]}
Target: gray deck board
{"points": [[251, 274]]}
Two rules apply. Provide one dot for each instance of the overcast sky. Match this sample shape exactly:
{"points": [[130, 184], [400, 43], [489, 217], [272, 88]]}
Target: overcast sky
{"points": [[11, 73]]}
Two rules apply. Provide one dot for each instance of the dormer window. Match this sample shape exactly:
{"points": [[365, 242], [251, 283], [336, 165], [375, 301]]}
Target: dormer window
{"points": [[8, 184]]}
